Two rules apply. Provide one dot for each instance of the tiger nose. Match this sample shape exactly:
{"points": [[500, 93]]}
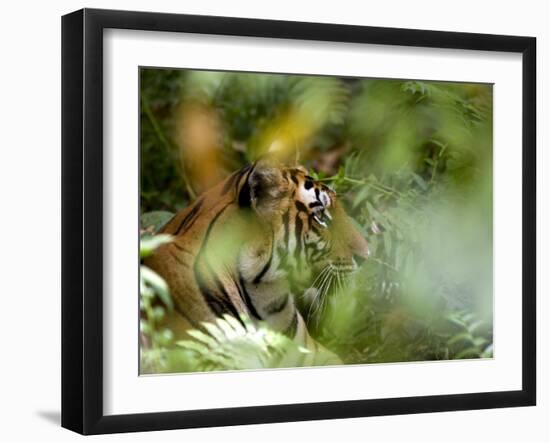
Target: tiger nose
{"points": [[359, 259]]}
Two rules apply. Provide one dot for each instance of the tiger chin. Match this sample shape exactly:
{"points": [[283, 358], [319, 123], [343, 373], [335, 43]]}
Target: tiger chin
{"points": [[251, 245]]}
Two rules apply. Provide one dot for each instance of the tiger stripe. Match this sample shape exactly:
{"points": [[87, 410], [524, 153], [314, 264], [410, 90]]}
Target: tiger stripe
{"points": [[266, 267], [190, 218], [248, 300], [219, 300]]}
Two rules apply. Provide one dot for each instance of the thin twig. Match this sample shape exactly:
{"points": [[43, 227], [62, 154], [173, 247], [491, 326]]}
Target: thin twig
{"points": [[380, 187]]}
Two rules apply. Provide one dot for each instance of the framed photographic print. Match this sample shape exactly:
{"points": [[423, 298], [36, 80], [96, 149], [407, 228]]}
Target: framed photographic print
{"points": [[269, 221]]}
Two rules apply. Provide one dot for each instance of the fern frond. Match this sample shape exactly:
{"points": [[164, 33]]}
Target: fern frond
{"points": [[228, 345]]}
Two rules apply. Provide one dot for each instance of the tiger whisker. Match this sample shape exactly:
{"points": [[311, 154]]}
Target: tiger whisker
{"points": [[340, 281], [324, 300], [325, 283], [321, 277], [318, 295]]}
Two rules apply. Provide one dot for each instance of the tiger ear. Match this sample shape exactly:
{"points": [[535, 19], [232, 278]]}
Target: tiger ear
{"points": [[263, 188]]}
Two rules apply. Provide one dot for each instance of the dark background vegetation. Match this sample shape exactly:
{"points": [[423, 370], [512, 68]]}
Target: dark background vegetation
{"points": [[410, 160]]}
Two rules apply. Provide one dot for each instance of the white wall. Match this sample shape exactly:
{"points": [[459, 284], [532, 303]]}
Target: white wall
{"points": [[30, 218]]}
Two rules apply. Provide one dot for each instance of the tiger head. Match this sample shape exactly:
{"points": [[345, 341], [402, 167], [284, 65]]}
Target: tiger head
{"points": [[311, 233]]}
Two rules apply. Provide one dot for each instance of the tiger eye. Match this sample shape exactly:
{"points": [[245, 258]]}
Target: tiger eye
{"points": [[308, 185]]}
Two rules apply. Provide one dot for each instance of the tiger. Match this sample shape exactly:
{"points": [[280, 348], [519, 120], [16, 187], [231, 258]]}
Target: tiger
{"points": [[251, 245]]}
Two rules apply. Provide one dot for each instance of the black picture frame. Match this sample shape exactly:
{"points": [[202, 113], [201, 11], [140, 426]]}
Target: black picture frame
{"points": [[82, 220]]}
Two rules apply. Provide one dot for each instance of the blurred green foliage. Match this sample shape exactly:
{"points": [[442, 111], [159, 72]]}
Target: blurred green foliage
{"points": [[410, 160], [153, 289]]}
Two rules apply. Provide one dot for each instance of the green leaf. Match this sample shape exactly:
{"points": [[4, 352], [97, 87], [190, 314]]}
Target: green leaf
{"points": [[193, 345], [226, 328], [473, 327], [149, 243], [453, 318], [165, 337], [237, 326], [158, 313], [420, 181], [480, 341], [360, 196], [471, 352], [144, 327], [214, 331], [387, 242], [151, 279], [201, 336], [488, 352], [377, 215], [462, 337], [155, 220]]}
